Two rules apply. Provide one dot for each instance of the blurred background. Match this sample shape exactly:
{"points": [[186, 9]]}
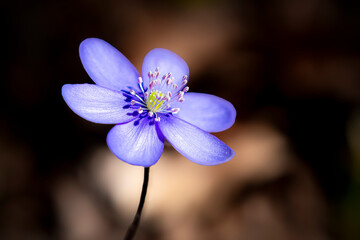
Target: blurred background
{"points": [[290, 67]]}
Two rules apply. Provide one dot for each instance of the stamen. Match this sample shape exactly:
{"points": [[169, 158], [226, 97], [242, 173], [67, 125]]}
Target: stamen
{"points": [[175, 110], [168, 96], [141, 85], [152, 84], [158, 96], [133, 102], [165, 98], [169, 81], [140, 98]]}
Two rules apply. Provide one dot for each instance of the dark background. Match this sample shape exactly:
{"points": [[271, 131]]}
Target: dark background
{"points": [[290, 67]]}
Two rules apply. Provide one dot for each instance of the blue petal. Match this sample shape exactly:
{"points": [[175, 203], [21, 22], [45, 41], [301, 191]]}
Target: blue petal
{"points": [[167, 62], [97, 104], [193, 143], [106, 66], [208, 112], [137, 143]]}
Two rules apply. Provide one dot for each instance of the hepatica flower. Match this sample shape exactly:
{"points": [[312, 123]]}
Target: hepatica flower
{"points": [[149, 108]]}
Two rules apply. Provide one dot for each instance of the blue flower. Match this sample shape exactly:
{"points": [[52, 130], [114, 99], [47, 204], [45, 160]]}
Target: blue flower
{"points": [[148, 109]]}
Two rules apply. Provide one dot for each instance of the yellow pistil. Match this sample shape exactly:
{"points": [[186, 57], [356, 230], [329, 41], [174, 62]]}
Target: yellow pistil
{"points": [[155, 101]]}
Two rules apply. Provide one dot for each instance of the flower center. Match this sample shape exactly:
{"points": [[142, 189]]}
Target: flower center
{"points": [[155, 101], [159, 95]]}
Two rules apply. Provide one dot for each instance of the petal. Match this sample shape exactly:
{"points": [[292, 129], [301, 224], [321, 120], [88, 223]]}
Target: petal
{"points": [[208, 112], [167, 62], [193, 143], [106, 66], [97, 104], [137, 143]]}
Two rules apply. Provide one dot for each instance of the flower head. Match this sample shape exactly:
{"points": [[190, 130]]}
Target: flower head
{"points": [[149, 108]]}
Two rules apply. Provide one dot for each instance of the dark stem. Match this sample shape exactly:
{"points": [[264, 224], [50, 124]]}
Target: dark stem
{"points": [[134, 225]]}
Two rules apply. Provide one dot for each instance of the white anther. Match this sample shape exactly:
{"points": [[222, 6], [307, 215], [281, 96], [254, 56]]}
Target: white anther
{"points": [[157, 119], [185, 77], [180, 94], [175, 86], [181, 99], [169, 75], [175, 110], [132, 91], [157, 69], [184, 82], [133, 102], [186, 89], [146, 93], [140, 110], [140, 80], [150, 114], [149, 74]]}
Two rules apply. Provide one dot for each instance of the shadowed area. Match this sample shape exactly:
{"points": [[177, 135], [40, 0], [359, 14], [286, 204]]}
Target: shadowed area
{"points": [[290, 67]]}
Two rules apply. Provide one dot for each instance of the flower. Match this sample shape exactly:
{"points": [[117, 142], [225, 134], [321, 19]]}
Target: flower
{"points": [[148, 109]]}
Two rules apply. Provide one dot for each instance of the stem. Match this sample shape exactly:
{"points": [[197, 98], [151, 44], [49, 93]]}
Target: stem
{"points": [[134, 225]]}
